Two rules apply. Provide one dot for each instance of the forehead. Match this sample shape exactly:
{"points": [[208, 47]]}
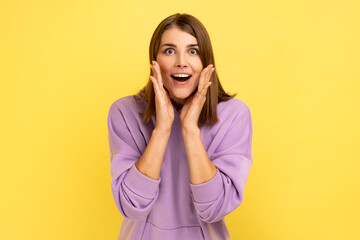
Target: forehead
{"points": [[177, 36]]}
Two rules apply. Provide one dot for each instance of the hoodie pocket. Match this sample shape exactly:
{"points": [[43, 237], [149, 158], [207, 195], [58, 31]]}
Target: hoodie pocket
{"points": [[188, 232]]}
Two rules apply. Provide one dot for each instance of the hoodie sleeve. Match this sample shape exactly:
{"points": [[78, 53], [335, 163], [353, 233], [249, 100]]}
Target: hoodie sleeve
{"points": [[232, 157], [134, 193]]}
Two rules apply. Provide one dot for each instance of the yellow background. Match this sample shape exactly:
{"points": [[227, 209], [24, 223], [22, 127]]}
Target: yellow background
{"points": [[294, 63]]}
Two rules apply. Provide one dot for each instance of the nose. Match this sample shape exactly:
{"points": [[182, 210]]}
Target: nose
{"points": [[181, 60]]}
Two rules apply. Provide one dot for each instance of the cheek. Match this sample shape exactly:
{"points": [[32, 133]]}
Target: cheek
{"points": [[164, 73], [164, 68], [197, 66]]}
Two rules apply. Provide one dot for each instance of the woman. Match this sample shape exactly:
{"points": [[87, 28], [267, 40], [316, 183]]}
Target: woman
{"points": [[181, 149]]}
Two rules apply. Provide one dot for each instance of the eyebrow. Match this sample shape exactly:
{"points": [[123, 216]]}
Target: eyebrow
{"points": [[173, 45]]}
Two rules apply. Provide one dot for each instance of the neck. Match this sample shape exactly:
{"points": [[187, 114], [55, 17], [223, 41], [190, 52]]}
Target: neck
{"points": [[177, 106]]}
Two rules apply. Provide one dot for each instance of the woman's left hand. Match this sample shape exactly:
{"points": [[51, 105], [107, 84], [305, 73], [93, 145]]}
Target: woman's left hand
{"points": [[193, 105]]}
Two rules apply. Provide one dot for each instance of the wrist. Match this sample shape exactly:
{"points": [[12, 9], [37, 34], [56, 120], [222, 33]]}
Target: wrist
{"points": [[164, 132], [192, 131]]}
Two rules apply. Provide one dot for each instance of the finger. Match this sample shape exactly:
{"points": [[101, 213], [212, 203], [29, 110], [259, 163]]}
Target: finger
{"points": [[202, 78], [209, 73], [156, 68], [156, 86], [208, 77], [212, 70], [157, 75], [204, 90], [202, 95], [207, 87]]}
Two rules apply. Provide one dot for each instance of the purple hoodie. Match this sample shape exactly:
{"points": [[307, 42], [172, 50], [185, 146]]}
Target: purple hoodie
{"points": [[172, 208]]}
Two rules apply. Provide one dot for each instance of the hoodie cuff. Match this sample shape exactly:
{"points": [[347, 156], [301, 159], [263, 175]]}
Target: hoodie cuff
{"points": [[208, 191], [140, 184]]}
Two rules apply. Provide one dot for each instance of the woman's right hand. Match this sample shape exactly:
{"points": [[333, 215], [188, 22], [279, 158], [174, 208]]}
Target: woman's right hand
{"points": [[164, 108]]}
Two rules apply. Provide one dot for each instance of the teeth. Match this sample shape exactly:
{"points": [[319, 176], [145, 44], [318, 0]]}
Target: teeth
{"points": [[181, 75]]}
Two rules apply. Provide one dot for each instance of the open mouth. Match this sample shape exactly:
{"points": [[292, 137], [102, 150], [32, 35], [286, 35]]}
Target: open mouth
{"points": [[181, 77]]}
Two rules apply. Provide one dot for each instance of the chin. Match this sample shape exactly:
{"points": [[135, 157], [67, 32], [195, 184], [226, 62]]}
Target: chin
{"points": [[183, 95]]}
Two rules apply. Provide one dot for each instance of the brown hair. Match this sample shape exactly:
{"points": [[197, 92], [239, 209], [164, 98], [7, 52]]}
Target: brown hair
{"points": [[215, 93]]}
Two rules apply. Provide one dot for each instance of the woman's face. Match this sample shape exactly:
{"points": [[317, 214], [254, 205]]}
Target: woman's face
{"points": [[180, 63]]}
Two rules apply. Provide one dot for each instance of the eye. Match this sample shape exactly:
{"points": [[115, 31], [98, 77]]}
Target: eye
{"points": [[169, 51], [193, 51]]}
